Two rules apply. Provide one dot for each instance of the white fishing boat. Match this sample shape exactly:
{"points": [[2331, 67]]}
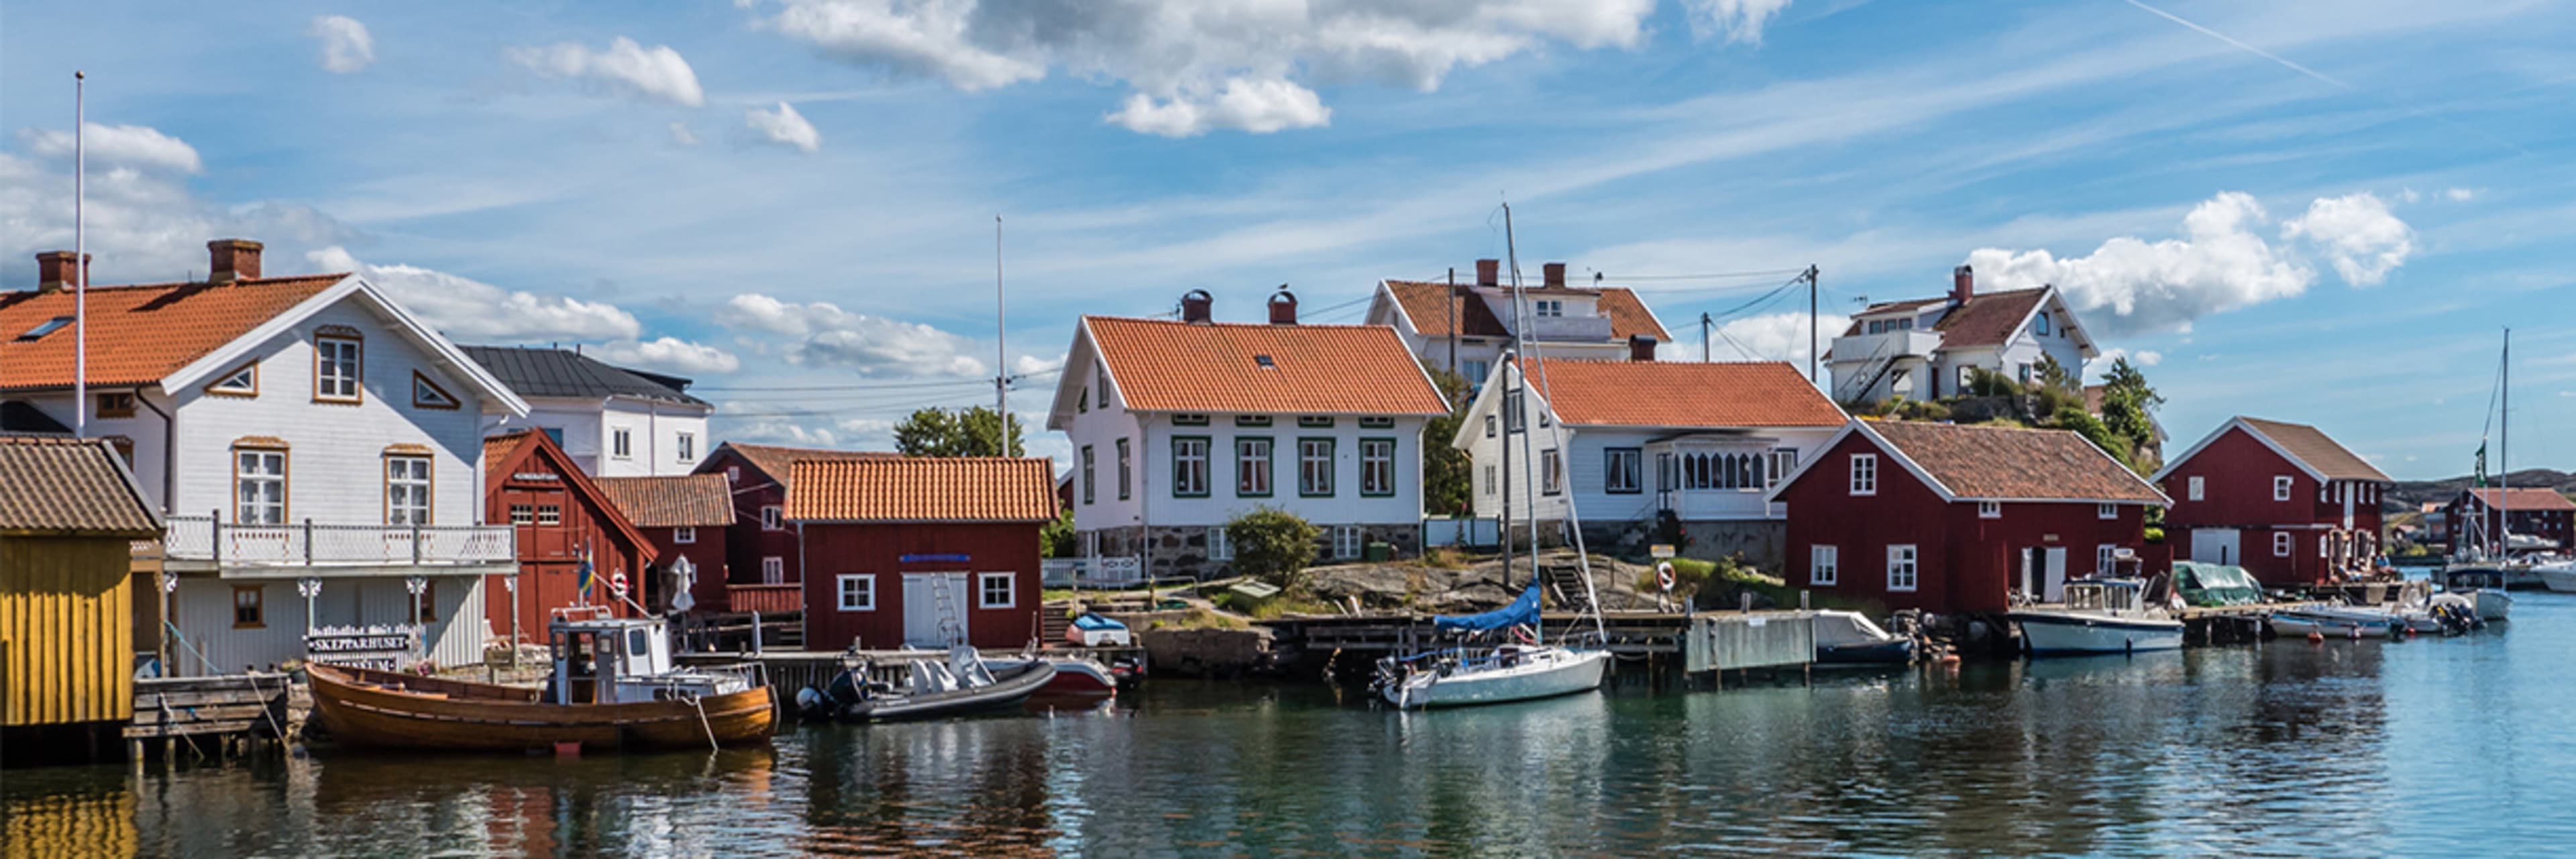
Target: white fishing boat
{"points": [[2484, 586], [2099, 616], [2302, 623]]}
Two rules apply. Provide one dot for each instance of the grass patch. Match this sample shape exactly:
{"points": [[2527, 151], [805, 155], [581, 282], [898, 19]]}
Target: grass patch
{"points": [[1200, 618]]}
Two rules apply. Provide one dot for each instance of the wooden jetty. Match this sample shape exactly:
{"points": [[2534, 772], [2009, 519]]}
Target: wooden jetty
{"points": [[226, 712]]}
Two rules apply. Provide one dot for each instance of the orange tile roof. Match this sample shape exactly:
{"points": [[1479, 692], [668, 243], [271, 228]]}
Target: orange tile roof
{"points": [[2004, 463], [1424, 302], [1628, 314], [2524, 498], [1989, 318], [683, 501], [922, 489], [52, 484], [2319, 452], [1166, 366], [776, 460], [139, 334], [1674, 394]]}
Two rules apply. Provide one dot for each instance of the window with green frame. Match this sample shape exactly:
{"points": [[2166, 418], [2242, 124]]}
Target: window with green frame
{"points": [[1315, 421], [1126, 478], [1252, 420], [1252, 466], [1315, 467], [1087, 475], [1377, 467], [1377, 423], [1190, 466], [1189, 420]]}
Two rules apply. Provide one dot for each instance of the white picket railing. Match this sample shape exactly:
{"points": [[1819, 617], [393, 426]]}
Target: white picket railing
{"points": [[206, 538], [1091, 572]]}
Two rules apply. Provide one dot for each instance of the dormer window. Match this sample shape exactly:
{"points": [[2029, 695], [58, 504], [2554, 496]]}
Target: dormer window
{"points": [[243, 381], [1549, 306]]}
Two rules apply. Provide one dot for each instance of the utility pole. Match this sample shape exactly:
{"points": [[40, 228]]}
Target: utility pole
{"points": [[1001, 355], [1812, 334], [1451, 303], [1704, 325]]}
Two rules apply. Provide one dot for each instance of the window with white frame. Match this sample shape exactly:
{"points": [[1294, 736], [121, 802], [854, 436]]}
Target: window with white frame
{"points": [[773, 571], [259, 487], [772, 518], [1864, 474], [1219, 548], [1549, 307], [549, 514], [2103, 556], [1491, 484], [1551, 472], [2106, 511], [337, 366], [684, 534], [688, 447], [1475, 371], [2281, 488], [2282, 541], [621, 443], [406, 490], [2199, 488], [997, 590], [1514, 415], [1622, 470], [1990, 510], [1346, 542], [858, 591], [1824, 565], [1783, 461], [1900, 568]]}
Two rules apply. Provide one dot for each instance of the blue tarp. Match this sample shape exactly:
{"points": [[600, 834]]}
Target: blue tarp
{"points": [[1522, 611], [1093, 621]]}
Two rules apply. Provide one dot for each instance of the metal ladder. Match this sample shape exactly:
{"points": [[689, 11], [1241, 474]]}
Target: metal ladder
{"points": [[950, 625]]}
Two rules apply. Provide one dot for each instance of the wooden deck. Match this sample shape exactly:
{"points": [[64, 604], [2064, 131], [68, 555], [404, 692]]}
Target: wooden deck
{"points": [[220, 713]]}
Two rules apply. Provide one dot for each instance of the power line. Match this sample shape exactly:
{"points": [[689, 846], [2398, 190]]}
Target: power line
{"points": [[1721, 275], [876, 386]]}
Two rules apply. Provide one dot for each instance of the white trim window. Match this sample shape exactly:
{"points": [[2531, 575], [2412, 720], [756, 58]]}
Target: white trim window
{"points": [[858, 591], [683, 535], [2199, 488], [1551, 307], [997, 590], [773, 570], [1824, 565], [687, 445], [2102, 558], [1902, 574], [2282, 542], [1551, 472], [1492, 484], [406, 490], [2281, 488], [772, 518], [1620, 471], [2106, 511], [1219, 548], [621, 443], [336, 363], [1864, 474], [259, 487], [1783, 461], [1346, 542], [1990, 510], [1190, 466]]}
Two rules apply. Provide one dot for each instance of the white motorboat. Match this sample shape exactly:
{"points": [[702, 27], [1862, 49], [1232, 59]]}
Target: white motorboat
{"points": [[2099, 616], [2299, 623], [2484, 586], [1508, 673], [1849, 638], [2557, 576]]}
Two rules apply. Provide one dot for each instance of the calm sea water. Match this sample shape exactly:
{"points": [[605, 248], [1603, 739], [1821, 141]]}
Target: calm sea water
{"points": [[2423, 747]]}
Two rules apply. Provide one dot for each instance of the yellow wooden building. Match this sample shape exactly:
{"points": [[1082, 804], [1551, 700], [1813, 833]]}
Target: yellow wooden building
{"points": [[70, 512]]}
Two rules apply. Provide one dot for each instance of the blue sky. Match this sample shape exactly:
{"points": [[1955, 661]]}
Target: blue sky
{"points": [[2313, 211]]}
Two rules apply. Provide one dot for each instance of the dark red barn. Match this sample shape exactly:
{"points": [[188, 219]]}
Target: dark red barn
{"points": [[2539, 519], [921, 551], [2282, 500], [760, 549], [562, 518], [685, 516], [1954, 519]]}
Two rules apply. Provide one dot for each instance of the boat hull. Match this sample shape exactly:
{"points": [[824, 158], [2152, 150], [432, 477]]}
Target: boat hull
{"points": [[1011, 687], [2492, 605], [2051, 634], [1074, 678], [2556, 578], [1560, 672], [1894, 651], [392, 710], [2292, 625]]}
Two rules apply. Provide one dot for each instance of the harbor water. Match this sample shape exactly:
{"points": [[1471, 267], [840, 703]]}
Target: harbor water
{"points": [[2431, 746]]}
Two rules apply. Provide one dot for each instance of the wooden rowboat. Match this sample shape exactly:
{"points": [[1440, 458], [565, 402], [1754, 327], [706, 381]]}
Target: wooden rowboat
{"points": [[397, 710]]}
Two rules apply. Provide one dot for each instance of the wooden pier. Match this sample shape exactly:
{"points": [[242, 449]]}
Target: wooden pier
{"points": [[224, 712]]}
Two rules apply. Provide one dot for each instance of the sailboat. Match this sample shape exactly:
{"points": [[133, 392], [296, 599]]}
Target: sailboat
{"points": [[1524, 667], [2472, 573]]}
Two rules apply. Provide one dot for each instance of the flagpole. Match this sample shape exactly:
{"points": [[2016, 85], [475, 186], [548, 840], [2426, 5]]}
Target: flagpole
{"points": [[80, 257]]}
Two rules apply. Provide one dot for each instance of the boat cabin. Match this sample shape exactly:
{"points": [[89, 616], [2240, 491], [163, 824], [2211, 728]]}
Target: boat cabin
{"points": [[2114, 597], [600, 659]]}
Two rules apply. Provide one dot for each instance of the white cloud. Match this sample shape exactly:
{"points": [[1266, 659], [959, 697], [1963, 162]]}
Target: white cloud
{"points": [[657, 72], [1737, 20], [826, 336], [2357, 234], [135, 146], [784, 126], [1259, 107], [1193, 66], [670, 354], [346, 45], [2460, 195], [471, 310], [681, 134], [2220, 264], [1769, 337], [2101, 364]]}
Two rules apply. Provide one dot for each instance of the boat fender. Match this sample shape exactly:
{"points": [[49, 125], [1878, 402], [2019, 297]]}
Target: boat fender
{"points": [[2315, 637]]}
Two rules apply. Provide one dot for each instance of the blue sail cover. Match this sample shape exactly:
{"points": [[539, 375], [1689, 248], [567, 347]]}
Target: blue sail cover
{"points": [[1522, 611]]}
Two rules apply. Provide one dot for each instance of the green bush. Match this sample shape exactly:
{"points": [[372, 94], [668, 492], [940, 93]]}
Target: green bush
{"points": [[1055, 539], [1273, 546]]}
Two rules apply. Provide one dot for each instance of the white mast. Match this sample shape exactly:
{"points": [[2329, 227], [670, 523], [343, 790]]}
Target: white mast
{"points": [[80, 258], [1001, 355], [2504, 454], [1573, 520]]}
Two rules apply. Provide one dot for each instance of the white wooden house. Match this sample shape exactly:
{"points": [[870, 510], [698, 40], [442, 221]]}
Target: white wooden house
{"points": [[314, 446], [1924, 349], [1464, 327], [613, 421], [1645, 452], [1180, 426]]}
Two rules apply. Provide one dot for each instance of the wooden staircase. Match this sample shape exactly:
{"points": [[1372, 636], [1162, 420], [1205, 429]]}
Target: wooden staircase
{"points": [[1052, 624], [1565, 587]]}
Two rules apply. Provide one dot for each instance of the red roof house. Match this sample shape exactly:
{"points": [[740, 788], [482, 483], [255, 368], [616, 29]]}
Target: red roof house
{"points": [[563, 521], [1465, 325], [761, 564], [2486, 515], [685, 516], [2285, 501], [921, 551], [1955, 519]]}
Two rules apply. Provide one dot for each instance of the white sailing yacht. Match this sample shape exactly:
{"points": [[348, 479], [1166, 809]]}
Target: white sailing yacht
{"points": [[2472, 572]]}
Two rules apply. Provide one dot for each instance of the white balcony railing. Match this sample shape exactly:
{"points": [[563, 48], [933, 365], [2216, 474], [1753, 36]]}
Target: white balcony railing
{"points": [[203, 538], [1893, 344], [1569, 329]]}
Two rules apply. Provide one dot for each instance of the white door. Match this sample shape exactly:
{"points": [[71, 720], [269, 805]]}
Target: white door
{"points": [[923, 609], [2056, 574], [2215, 546]]}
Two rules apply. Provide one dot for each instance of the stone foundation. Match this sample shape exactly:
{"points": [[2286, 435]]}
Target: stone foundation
{"points": [[1762, 542], [1183, 551]]}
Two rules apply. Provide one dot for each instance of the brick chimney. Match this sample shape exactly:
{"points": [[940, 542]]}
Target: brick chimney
{"points": [[1195, 305], [1641, 347], [1963, 285], [54, 270], [1283, 307], [1555, 274], [1489, 272], [232, 259]]}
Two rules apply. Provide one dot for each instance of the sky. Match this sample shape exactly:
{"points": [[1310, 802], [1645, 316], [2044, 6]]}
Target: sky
{"points": [[2322, 212]]}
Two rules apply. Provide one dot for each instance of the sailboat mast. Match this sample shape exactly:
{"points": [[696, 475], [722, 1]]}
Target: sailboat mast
{"points": [[2504, 454], [1529, 460]]}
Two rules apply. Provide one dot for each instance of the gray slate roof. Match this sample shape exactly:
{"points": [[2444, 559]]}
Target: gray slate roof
{"points": [[544, 372]]}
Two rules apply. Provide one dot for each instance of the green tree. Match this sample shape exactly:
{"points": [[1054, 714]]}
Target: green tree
{"points": [[2072, 417], [1055, 539], [1273, 546], [2129, 404], [1447, 473], [942, 432]]}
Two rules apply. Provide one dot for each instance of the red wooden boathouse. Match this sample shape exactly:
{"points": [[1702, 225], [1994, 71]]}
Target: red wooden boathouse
{"points": [[921, 551], [2282, 500], [561, 516]]}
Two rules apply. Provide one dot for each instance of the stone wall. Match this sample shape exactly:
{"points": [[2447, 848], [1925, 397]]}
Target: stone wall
{"points": [[1763, 543], [1183, 551]]}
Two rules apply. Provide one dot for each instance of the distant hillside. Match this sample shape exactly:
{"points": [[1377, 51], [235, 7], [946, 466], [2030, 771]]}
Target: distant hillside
{"points": [[2412, 494]]}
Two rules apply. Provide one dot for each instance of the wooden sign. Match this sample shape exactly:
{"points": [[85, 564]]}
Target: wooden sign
{"points": [[386, 648]]}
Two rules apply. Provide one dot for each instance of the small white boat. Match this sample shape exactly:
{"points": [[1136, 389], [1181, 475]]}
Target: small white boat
{"points": [[2099, 616], [1508, 673], [2557, 576], [2301, 623], [2484, 586], [1848, 638]]}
